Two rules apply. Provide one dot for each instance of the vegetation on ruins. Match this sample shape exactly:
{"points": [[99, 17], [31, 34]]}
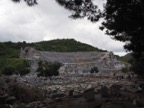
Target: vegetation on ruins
{"points": [[94, 70], [48, 69], [14, 66]]}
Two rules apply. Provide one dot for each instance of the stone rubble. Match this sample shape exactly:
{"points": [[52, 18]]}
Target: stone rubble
{"points": [[94, 93]]}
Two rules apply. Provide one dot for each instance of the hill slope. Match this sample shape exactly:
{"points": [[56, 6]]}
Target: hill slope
{"points": [[64, 45], [128, 57], [11, 50]]}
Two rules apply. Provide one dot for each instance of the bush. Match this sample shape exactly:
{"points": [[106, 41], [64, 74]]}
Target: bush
{"points": [[48, 69], [94, 70], [14, 66]]}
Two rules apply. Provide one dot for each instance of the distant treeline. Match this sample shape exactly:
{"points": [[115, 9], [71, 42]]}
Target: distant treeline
{"points": [[11, 50]]}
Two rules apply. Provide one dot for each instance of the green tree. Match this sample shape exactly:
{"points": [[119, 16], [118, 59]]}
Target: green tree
{"points": [[94, 70], [124, 22], [9, 66], [48, 69]]}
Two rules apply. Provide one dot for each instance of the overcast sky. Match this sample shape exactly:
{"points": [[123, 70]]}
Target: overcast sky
{"points": [[47, 21]]}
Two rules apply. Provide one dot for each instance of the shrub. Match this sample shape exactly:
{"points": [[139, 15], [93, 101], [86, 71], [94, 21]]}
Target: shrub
{"points": [[94, 70], [48, 69], [14, 66]]}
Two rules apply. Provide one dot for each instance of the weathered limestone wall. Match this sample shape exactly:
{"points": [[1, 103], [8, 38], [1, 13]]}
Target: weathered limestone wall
{"points": [[76, 62]]}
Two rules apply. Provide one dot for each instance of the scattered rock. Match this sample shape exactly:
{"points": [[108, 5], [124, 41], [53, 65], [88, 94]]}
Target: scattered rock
{"points": [[5, 106], [134, 102], [32, 105], [104, 91], [115, 90], [141, 87], [89, 87], [11, 100], [139, 103], [89, 94], [76, 96], [48, 101], [58, 99], [70, 92], [26, 93], [78, 100], [73, 95], [56, 95], [3, 99], [98, 103], [132, 89]]}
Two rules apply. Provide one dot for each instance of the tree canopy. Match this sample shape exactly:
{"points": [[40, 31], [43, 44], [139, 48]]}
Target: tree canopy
{"points": [[81, 9], [124, 22], [29, 2]]}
